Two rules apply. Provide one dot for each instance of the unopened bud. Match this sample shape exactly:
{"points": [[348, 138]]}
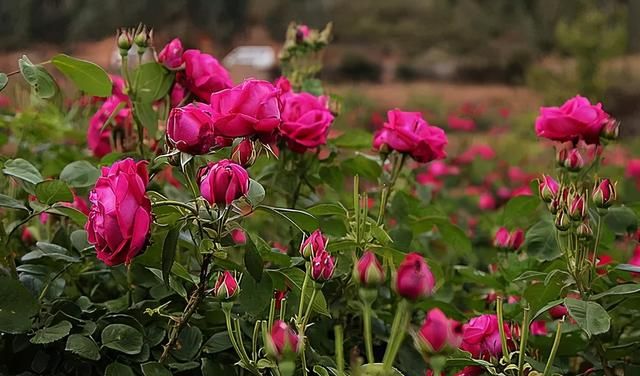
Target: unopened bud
{"points": [[611, 129], [562, 221], [584, 231], [574, 161], [244, 153], [124, 40], [604, 194]]}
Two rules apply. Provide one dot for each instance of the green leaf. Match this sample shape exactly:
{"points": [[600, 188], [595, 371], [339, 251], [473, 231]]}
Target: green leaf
{"points": [[312, 85], [52, 251], [189, 343], [364, 166], [23, 170], [256, 193], [123, 338], [621, 220], [302, 220], [546, 307], [148, 117], [540, 241], [87, 76], [218, 342], [628, 268], [626, 289], [154, 369], [519, 207], [590, 316], [51, 191], [4, 80], [118, 369], [17, 306], [538, 294], [328, 209], [52, 333], [153, 82], [252, 260], [169, 250], [80, 174], [72, 213], [380, 234], [11, 203], [83, 346], [38, 78], [320, 371], [354, 139], [454, 237]]}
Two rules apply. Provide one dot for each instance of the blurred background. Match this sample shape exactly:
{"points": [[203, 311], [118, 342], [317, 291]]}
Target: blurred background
{"points": [[435, 55]]}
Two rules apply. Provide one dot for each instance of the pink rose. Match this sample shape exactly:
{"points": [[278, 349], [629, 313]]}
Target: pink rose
{"points": [[409, 133], [190, 129], [171, 54], [249, 109], [282, 341], [305, 121], [178, 93], [438, 333], [315, 243], [99, 135], [223, 182], [120, 219], [577, 119], [368, 271], [460, 123], [413, 279], [481, 336], [226, 286], [322, 266], [538, 328], [203, 74]]}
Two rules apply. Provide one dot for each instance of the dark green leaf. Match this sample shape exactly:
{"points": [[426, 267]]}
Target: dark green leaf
{"points": [[539, 294], [590, 316], [541, 242], [153, 82], [252, 260], [51, 191], [217, 343], [621, 220], [122, 338], [23, 170], [299, 218], [148, 117], [629, 268], [354, 139], [629, 288], [453, 236], [327, 209], [189, 342], [72, 213], [296, 277], [38, 78], [519, 207], [169, 249], [363, 166], [11, 203], [154, 369], [83, 346], [79, 174], [87, 76], [52, 333], [118, 369], [17, 306]]}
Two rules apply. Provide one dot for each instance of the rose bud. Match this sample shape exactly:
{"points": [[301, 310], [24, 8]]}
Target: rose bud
{"points": [[438, 333], [368, 271], [558, 312], [239, 236], [604, 194], [611, 129], [413, 279], [562, 221], [244, 153], [516, 239], [577, 207], [574, 161], [226, 286], [279, 296], [124, 41], [190, 129], [584, 231], [316, 242], [119, 221], [171, 54], [322, 266], [548, 188], [538, 328], [555, 205], [561, 156], [501, 239], [282, 341], [223, 182]]}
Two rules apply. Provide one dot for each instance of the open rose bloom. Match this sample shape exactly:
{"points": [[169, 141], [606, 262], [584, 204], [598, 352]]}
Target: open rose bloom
{"points": [[120, 218]]}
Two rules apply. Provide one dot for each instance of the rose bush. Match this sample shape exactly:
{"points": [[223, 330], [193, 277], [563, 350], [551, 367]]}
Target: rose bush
{"points": [[253, 229]]}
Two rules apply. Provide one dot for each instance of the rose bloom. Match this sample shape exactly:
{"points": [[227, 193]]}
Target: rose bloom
{"points": [[249, 109], [99, 135], [305, 121], [409, 133], [460, 123], [413, 279], [203, 74], [577, 119], [171, 54], [481, 336], [190, 129], [119, 221]]}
